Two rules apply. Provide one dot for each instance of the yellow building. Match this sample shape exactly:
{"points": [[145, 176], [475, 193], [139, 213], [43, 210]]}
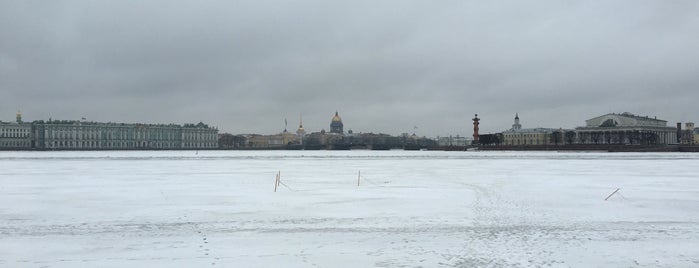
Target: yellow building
{"points": [[530, 136], [690, 135], [276, 140]]}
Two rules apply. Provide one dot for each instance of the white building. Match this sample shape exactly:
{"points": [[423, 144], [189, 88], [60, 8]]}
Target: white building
{"points": [[453, 141], [626, 128], [15, 135]]}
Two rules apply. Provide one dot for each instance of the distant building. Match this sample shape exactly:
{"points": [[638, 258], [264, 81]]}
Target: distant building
{"points": [[688, 134], [288, 138], [15, 135], [531, 136], [453, 141], [626, 128], [272, 141], [321, 139], [275, 140], [257, 141], [336, 125], [80, 135], [230, 141]]}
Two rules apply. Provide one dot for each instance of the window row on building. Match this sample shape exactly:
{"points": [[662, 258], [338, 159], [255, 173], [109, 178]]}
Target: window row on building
{"points": [[14, 132], [15, 135]]}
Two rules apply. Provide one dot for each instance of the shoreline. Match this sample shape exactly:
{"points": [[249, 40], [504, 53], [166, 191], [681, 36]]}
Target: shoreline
{"points": [[599, 148]]}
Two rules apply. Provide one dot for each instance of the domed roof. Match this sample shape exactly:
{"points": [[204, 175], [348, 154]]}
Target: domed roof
{"points": [[337, 118]]}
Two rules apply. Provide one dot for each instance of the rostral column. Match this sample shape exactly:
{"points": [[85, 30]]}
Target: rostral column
{"points": [[475, 129]]}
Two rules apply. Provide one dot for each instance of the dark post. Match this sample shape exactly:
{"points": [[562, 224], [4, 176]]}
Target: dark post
{"points": [[475, 129]]}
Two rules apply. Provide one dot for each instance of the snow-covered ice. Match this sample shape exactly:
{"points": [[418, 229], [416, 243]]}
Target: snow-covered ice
{"points": [[412, 209]]}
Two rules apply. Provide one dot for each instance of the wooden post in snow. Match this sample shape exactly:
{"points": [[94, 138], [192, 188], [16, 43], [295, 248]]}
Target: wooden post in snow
{"points": [[610, 195], [276, 181], [359, 175]]}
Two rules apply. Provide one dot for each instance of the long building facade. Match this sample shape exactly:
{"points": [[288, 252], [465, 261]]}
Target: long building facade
{"points": [[80, 135], [626, 128], [83, 135]]}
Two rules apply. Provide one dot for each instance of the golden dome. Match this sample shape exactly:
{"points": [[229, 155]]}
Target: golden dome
{"points": [[337, 118]]}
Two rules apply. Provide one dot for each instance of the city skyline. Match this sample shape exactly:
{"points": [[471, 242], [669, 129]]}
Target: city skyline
{"points": [[386, 67], [292, 128]]}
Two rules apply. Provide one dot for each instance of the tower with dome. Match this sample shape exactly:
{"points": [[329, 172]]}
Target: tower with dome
{"points": [[336, 125]]}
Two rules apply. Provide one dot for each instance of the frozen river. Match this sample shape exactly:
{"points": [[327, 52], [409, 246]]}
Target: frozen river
{"points": [[412, 209]]}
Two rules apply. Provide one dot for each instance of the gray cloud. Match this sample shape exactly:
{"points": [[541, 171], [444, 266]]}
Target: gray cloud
{"points": [[386, 66]]}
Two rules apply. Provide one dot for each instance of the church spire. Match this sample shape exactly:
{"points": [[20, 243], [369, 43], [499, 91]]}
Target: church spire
{"points": [[300, 132], [516, 125]]}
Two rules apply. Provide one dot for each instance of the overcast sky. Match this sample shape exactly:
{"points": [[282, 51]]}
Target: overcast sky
{"points": [[385, 66]]}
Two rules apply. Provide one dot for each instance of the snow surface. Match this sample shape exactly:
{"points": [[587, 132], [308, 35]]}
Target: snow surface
{"points": [[412, 209]]}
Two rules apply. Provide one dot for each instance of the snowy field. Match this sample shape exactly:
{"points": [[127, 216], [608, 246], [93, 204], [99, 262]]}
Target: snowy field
{"points": [[412, 209]]}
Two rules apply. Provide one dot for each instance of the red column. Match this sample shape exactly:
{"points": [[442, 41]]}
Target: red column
{"points": [[475, 129]]}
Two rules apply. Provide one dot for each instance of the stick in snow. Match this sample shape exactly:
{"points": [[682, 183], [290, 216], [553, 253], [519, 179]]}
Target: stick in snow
{"points": [[358, 176], [276, 181], [610, 195]]}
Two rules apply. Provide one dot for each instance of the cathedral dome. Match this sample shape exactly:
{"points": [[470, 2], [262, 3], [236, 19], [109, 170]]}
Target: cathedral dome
{"points": [[336, 124], [336, 118]]}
